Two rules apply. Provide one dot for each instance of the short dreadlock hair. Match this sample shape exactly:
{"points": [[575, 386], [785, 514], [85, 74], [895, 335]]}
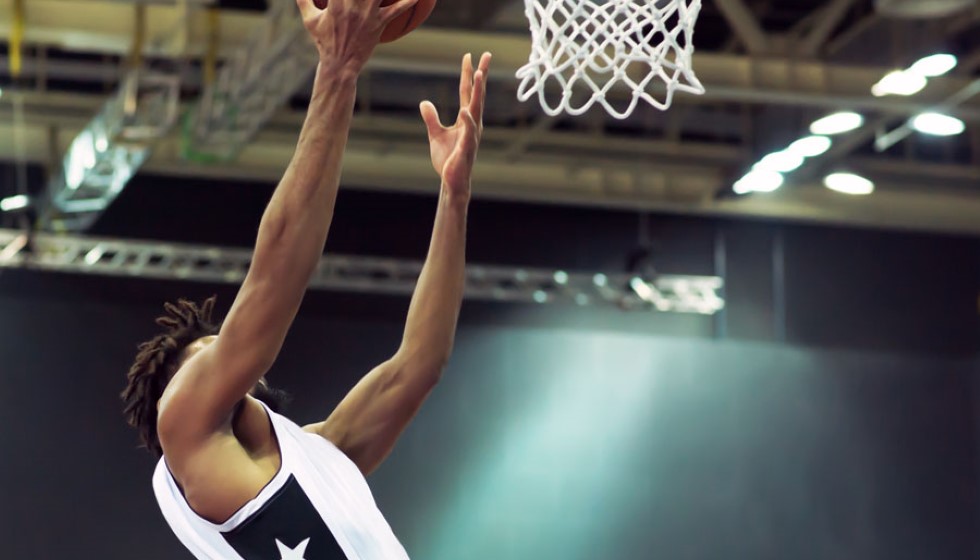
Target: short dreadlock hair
{"points": [[157, 362]]}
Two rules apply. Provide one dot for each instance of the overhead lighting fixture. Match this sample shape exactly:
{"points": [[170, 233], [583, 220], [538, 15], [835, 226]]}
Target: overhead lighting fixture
{"points": [[780, 162], [938, 124], [17, 202], [838, 123], [849, 183], [759, 181], [899, 82], [649, 293], [811, 146], [934, 66]]}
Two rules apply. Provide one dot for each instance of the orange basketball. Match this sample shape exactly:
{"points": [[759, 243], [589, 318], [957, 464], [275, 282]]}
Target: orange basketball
{"points": [[405, 23]]}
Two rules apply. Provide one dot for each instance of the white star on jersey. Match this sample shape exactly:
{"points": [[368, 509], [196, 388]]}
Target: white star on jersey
{"points": [[292, 553]]}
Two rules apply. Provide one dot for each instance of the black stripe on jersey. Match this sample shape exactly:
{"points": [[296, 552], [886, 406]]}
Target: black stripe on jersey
{"points": [[289, 518]]}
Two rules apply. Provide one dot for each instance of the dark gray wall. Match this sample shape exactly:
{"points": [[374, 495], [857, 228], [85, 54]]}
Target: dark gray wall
{"points": [[541, 443], [835, 422]]}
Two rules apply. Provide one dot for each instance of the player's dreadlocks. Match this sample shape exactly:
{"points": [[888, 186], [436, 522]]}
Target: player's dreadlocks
{"points": [[157, 362]]}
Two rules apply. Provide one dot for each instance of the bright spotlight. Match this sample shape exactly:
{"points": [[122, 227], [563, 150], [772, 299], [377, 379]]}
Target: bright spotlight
{"points": [[17, 202], [938, 124], [561, 277], [838, 123], [811, 146], [849, 183], [899, 82], [780, 162], [935, 65], [759, 181]]}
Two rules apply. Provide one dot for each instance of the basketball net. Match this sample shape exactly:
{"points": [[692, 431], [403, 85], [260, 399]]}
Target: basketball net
{"points": [[601, 51]]}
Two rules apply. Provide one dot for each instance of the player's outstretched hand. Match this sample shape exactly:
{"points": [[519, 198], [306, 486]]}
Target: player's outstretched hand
{"points": [[454, 148], [347, 31]]}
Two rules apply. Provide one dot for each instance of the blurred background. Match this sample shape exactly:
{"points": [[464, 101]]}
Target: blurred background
{"points": [[701, 333]]}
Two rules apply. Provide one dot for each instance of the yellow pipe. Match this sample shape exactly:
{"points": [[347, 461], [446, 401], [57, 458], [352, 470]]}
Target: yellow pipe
{"points": [[17, 39], [139, 36]]}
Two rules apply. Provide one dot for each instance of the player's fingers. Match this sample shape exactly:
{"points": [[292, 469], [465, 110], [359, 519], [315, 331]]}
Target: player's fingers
{"points": [[307, 9], [479, 95], [469, 136], [391, 12], [485, 62], [466, 81], [430, 117]]}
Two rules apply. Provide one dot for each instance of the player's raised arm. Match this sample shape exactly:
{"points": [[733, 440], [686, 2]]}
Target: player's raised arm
{"points": [[292, 232], [369, 420]]}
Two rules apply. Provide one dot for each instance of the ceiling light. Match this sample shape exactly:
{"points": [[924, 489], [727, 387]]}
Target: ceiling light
{"points": [[848, 183], [17, 202], [838, 123], [938, 124], [811, 146], [899, 82], [759, 181], [935, 65], [641, 288], [781, 162]]}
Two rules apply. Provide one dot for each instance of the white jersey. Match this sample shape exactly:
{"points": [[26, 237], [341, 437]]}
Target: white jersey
{"points": [[317, 507]]}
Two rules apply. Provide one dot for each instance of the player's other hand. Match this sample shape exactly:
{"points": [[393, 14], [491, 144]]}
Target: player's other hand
{"points": [[347, 31], [454, 148]]}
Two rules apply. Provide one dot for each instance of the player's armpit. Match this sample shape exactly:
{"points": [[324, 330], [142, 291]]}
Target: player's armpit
{"points": [[368, 421]]}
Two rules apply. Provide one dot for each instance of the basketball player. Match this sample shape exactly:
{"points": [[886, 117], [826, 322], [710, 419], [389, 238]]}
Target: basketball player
{"points": [[236, 480]]}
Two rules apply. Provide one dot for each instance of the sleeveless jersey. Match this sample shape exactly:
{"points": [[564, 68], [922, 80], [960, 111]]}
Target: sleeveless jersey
{"points": [[317, 507]]}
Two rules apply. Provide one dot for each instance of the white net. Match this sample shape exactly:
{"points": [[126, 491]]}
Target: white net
{"points": [[613, 52]]}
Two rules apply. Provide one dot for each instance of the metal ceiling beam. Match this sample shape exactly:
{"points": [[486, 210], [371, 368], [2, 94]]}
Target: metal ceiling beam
{"points": [[852, 33], [779, 82], [830, 17], [71, 110], [745, 25], [68, 112], [435, 52], [630, 180]]}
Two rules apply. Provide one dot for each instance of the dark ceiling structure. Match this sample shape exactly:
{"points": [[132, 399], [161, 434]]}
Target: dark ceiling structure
{"points": [[771, 67]]}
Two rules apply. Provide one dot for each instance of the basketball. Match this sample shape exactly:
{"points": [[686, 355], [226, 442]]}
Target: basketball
{"points": [[404, 24]]}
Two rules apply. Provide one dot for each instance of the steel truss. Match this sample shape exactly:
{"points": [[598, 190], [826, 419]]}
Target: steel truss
{"points": [[109, 151], [255, 82], [201, 263]]}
